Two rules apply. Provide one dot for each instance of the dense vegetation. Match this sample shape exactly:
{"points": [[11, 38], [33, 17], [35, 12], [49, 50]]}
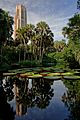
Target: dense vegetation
{"points": [[35, 46], [72, 32]]}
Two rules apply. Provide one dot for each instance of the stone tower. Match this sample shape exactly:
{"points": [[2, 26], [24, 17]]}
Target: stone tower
{"points": [[20, 18]]}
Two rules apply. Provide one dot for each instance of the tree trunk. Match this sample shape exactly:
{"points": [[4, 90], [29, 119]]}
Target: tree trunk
{"points": [[24, 54], [19, 56], [1, 54], [24, 50]]}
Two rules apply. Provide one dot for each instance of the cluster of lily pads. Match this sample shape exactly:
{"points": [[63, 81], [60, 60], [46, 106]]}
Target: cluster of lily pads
{"points": [[46, 73]]}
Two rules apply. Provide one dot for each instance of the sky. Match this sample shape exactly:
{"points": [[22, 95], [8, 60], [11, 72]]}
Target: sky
{"points": [[54, 12]]}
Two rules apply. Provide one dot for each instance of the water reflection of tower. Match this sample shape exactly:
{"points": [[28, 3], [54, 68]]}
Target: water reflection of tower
{"points": [[20, 107]]}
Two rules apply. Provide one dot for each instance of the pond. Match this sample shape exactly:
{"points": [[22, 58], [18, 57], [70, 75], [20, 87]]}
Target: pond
{"points": [[39, 99]]}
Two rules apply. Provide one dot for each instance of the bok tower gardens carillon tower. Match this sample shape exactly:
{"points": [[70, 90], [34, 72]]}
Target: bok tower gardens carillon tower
{"points": [[20, 18]]}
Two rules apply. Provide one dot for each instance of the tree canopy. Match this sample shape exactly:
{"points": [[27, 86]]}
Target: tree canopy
{"points": [[78, 4], [41, 38], [6, 29], [72, 30]]}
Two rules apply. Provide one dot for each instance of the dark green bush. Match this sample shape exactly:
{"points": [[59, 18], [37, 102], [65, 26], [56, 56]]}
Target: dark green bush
{"points": [[48, 61], [28, 63], [4, 67], [69, 58]]}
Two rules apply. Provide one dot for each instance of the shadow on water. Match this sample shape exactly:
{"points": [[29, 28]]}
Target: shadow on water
{"points": [[72, 99], [6, 111]]}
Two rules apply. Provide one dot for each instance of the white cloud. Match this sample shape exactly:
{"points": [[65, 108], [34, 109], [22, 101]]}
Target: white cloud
{"points": [[53, 12], [56, 22]]}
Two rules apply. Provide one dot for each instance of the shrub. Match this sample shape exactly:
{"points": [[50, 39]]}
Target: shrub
{"points": [[4, 67], [48, 61], [29, 63]]}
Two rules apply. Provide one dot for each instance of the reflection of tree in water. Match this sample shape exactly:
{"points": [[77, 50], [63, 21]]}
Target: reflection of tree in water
{"points": [[72, 99], [38, 95], [8, 86], [6, 112], [44, 93]]}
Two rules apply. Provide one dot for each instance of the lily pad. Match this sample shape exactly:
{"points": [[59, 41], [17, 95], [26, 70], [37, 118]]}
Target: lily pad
{"points": [[44, 73], [72, 77], [35, 76], [9, 74], [58, 70], [53, 74], [36, 69], [52, 77], [23, 70], [77, 73], [67, 73], [26, 74]]}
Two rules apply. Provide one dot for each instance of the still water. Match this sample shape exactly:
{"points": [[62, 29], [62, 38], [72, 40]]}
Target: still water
{"points": [[39, 99]]}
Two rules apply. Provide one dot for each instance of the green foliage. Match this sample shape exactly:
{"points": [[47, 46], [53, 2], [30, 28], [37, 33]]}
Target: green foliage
{"points": [[48, 60], [72, 32], [59, 45], [9, 54], [44, 38], [29, 63], [40, 36], [78, 4], [25, 63], [24, 34], [58, 56], [6, 28], [4, 67], [69, 58]]}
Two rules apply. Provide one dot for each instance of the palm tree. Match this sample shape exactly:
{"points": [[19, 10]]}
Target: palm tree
{"points": [[44, 38], [21, 38], [30, 31], [59, 45]]}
